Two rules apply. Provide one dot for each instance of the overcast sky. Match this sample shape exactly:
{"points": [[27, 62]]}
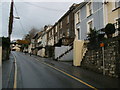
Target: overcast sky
{"points": [[32, 14]]}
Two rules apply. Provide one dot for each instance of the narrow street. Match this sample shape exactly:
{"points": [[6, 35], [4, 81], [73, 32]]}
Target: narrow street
{"points": [[35, 74], [60, 44]]}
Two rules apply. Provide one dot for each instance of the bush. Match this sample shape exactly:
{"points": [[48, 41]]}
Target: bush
{"points": [[5, 48], [109, 30], [93, 36], [5, 42]]}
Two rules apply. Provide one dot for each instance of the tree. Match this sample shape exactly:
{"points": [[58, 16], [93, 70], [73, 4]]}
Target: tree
{"points": [[5, 42], [32, 32], [30, 35]]}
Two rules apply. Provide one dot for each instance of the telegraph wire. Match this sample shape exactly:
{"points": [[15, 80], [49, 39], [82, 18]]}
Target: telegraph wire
{"points": [[44, 7], [19, 20], [16, 10]]}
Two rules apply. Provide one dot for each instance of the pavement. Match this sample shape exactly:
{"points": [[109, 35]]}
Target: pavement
{"points": [[36, 72], [99, 80], [8, 72]]}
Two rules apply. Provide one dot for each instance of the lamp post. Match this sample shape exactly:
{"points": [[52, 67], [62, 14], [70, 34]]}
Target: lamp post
{"points": [[17, 17]]}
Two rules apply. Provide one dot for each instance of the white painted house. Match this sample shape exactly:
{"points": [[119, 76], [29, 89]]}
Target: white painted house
{"points": [[16, 47], [42, 41]]}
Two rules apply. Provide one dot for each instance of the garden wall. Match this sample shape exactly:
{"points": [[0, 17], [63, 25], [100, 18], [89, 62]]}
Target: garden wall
{"points": [[93, 58]]}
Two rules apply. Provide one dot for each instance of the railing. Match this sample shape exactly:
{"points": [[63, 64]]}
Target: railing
{"points": [[84, 49], [66, 51]]}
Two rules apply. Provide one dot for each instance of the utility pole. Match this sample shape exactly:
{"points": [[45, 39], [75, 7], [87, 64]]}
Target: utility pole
{"points": [[10, 26]]}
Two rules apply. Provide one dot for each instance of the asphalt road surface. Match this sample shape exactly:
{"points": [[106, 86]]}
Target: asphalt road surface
{"points": [[32, 73]]}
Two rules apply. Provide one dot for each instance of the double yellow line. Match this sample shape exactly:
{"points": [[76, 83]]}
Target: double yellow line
{"points": [[70, 75]]}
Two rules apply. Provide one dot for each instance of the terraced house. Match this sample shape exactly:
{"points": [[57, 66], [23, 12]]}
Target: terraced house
{"points": [[62, 32], [66, 39], [64, 28], [35, 43], [50, 42], [93, 15], [88, 15]]}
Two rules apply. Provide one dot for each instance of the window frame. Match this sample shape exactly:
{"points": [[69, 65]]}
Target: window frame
{"points": [[89, 10], [78, 20], [60, 24], [117, 4], [68, 19], [88, 28], [78, 33], [56, 29], [68, 32]]}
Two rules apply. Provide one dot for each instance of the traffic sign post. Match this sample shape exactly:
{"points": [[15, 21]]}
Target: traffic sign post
{"points": [[102, 45]]}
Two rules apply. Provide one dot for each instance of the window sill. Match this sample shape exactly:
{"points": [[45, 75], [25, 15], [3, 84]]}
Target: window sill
{"points": [[77, 23], [89, 15], [115, 9]]}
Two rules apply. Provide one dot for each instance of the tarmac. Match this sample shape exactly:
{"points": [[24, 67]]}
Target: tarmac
{"points": [[100, 80]]}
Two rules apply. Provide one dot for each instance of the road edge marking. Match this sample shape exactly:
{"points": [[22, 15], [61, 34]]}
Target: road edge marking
{"points": [[15, 74], [75, 78]]}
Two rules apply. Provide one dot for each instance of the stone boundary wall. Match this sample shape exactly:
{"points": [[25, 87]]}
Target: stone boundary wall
{"points": [[93, 58]]}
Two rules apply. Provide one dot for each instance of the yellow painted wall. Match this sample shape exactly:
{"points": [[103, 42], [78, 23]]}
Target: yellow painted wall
{"points": [[111, 15], [78, 52]]}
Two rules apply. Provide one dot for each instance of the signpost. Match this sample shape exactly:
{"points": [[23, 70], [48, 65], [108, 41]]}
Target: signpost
{"points": [[102, 45]]}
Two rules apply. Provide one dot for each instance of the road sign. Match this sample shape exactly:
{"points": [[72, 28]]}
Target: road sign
{"points": [[102, 44]]}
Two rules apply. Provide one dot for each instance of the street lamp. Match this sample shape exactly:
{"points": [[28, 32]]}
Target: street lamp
{"points": [[17, 17]]}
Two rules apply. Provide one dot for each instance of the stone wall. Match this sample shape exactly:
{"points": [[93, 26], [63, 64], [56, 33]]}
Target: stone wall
{"points": [[93, 58], [49, 51]]}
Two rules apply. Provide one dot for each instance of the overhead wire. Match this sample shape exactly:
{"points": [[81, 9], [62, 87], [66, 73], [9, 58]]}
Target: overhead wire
{"points": [[19, 20], [58, 10], [44, 7], [35, 6]]}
